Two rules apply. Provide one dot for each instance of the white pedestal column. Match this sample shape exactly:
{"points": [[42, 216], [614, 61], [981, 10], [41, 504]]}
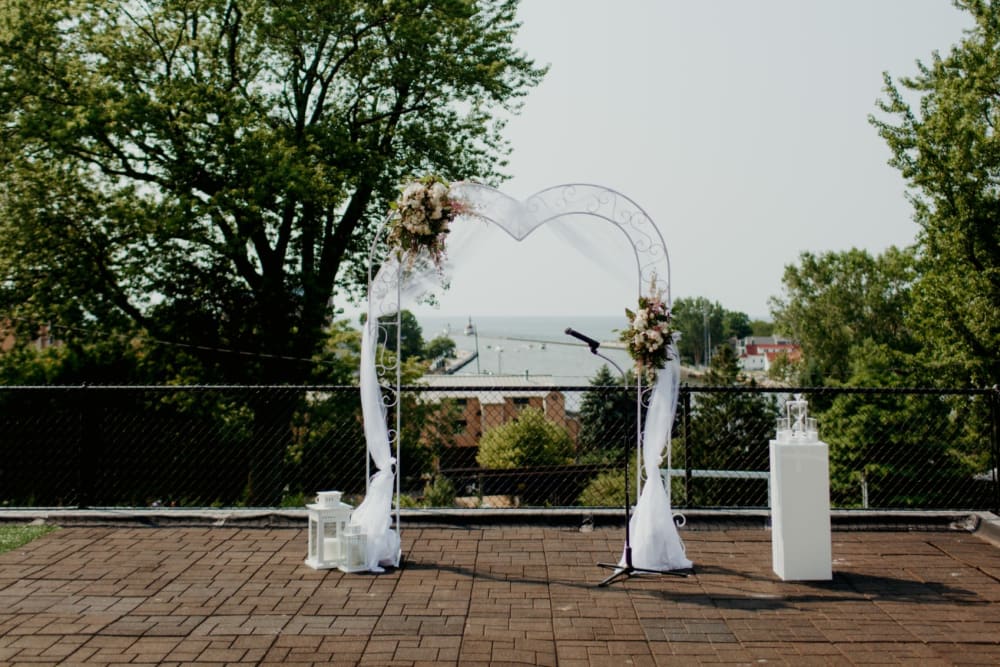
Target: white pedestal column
{"points": [[800, 511]]}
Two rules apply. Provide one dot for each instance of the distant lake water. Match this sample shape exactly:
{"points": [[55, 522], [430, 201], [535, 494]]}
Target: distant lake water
{"points": [[535, 345]]}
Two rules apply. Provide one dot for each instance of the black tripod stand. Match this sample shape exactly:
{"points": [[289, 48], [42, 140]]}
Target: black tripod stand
{"points": [[628, 569]]}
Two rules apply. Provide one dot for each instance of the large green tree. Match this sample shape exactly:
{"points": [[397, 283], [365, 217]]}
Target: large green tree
{"points": [[875, 458], [836, 302], [947, 148], [206, 172], [209, 171]]}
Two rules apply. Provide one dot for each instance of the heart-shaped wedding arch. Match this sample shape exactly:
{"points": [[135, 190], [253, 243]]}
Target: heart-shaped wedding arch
{"points": [[406, 275]]}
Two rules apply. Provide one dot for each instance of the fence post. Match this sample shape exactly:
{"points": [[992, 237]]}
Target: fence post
{"points": [[995, 444], [685, 423], [87, 450]]}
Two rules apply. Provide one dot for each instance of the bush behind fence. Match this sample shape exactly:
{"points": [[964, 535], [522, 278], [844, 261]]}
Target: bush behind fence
{"points": [[229, 446]]}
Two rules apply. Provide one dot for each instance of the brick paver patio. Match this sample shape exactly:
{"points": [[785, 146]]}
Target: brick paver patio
{"points": [[494, 595]]}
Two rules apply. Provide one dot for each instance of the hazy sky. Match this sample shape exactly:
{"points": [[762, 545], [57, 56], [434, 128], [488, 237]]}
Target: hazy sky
{"points": [[740, 126]]}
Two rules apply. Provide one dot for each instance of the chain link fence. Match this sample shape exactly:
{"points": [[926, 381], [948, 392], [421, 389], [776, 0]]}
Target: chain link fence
{"points": [[477, 446]]}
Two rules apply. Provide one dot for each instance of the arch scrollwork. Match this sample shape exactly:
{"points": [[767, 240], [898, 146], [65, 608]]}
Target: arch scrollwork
{"points": [[519, 219]]}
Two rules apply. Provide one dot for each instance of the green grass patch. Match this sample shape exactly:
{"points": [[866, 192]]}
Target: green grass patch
{"points": [[13, 536]]}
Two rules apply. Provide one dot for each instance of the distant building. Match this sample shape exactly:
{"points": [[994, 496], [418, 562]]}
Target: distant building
{"points": [[758, 353], [43, 340], [487, 401]]}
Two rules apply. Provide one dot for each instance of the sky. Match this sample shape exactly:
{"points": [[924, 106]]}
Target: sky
{"points": [[740, 126]]}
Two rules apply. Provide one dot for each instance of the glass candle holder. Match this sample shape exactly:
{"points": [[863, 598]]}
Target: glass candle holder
{"points": [[812, 430], [354, 549], [783, 430]]}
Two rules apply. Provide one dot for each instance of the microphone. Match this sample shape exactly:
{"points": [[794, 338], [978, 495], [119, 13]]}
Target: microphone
{"points": [[586, 339]]}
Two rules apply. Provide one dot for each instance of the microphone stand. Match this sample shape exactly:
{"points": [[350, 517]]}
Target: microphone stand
{"points": [[628, 569]]}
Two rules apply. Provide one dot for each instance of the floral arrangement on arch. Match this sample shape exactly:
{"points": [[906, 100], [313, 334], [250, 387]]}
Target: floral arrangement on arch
{"points": [[423, 214], [649, 335]]}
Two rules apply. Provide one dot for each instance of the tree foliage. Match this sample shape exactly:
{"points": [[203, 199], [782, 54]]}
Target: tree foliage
{"points": [[948, 151], [761, 328], [834, 303], [876, 461], [607, 419], [440, 347], [528, 440], [704, 325], [694, 318], [208, 172], [411, 335], [728, 431], [607, 489]]}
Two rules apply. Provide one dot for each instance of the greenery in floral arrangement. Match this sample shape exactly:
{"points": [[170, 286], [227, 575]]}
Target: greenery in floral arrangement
{"points": [[423, 215], [649, 333]]}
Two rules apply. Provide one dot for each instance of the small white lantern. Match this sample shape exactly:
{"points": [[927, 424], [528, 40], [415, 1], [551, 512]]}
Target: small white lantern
{"points": [[355, 550], [328, 519]]}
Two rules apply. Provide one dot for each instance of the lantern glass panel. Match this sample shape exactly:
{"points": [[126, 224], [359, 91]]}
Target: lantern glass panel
{"points": [[313, 536], [354, 549]]}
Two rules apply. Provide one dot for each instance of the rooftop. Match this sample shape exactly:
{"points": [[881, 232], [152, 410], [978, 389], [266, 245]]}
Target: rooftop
{"points": [[484, 388], [513, 592], [489, 382]]}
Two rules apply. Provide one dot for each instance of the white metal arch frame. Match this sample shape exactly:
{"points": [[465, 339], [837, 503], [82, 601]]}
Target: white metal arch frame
{"points": [[394, 280]]}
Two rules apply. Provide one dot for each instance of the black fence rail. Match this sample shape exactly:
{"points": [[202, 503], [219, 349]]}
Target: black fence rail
{"points": [[475, 446]]}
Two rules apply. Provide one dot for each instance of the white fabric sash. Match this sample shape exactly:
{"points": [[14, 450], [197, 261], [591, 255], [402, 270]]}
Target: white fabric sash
{"points": [[656, 545]]}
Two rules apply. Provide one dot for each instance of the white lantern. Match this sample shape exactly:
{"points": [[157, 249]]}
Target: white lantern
{"points": [[328, 519], [355, 550]]}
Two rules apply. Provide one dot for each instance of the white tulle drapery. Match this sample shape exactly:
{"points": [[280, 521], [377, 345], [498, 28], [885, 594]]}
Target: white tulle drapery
{"points": [[655, 543], [374, 514], [394, 283]]}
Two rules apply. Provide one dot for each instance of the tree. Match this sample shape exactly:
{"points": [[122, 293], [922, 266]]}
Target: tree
{"points": [[874, 459], [607, 420], [784, 370], [736, 324], [209, 172], [703, 325], [834, 302], [729, 430], [528, 440], [439, 349], [411, 338], [947, 150], [698, 321], [206, 173]]}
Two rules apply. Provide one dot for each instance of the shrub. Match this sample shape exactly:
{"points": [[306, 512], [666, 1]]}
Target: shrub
{"points": [[607, 490], [529, 440]]}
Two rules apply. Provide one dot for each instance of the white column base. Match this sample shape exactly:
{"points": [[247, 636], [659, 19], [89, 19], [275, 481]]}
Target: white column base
{"points": [[800, 511]]}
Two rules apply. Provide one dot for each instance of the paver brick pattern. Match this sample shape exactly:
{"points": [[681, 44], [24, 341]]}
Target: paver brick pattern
{"points": [[491, 595]]}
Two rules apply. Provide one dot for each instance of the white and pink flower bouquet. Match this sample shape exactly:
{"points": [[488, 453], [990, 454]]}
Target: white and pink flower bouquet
{"points": [[423, 214], [649, 335]]}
